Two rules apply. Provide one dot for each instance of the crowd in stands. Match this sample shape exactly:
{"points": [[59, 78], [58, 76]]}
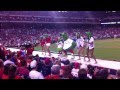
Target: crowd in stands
{"points": [[31, 18], [46, 19], [21, 65]]}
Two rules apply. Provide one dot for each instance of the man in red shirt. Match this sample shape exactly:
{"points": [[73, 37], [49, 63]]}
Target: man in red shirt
{"points": [[42, 44], [47, 44]]}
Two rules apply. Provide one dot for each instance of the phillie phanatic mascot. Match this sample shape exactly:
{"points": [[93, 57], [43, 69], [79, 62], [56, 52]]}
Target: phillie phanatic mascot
{"points": [[68, 44]]}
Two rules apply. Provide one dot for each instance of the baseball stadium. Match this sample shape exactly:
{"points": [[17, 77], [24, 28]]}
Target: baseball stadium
{"points": [[60, 44]]}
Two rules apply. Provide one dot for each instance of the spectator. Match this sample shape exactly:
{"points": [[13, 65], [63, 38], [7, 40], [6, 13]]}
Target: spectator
{"points": [[67, 62], [5, 73], [90, 71], [75, 70], [66, 72], [55, 72], [33, 74], [82, 74], [12, 72], [96, 73], [8, 61], [30, 50], [14, 58], [46, 68], [118, 74], [23, 71], [102, 74]]}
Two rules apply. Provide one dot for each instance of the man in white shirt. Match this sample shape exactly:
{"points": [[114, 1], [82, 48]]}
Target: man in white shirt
{"points": [[34, 74], [91, 46]]}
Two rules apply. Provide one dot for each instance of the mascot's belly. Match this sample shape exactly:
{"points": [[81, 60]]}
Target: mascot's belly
{"points": [[59, 48]]}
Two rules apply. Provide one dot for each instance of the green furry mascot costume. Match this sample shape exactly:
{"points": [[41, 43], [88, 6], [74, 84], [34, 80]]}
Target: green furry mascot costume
{"points": [[69, 45]]}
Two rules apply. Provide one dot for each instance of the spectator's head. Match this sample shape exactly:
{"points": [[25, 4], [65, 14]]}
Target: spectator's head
{"points": [[82, 74], [23, 63], [53, 58], [103, 74], [47, 61], [6, 67], [55, 69], [37, 57], [90, 69], [33, 64], [12, 71], [118, 74], [76, 65], [14, 55], [9, 57], [67, 62], [57, 62], [67, 72]]}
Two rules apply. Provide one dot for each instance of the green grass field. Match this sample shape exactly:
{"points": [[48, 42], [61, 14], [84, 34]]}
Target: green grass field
{"points": [[108, 49]]}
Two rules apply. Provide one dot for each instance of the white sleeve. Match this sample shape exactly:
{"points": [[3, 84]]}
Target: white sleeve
{"points": [[91, 40]]}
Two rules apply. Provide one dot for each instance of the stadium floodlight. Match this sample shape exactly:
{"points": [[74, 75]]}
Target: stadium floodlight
{"points": [[112, 22], [104, 23], [113, 11], [109, 23], [62, 11], [118, 22]]}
